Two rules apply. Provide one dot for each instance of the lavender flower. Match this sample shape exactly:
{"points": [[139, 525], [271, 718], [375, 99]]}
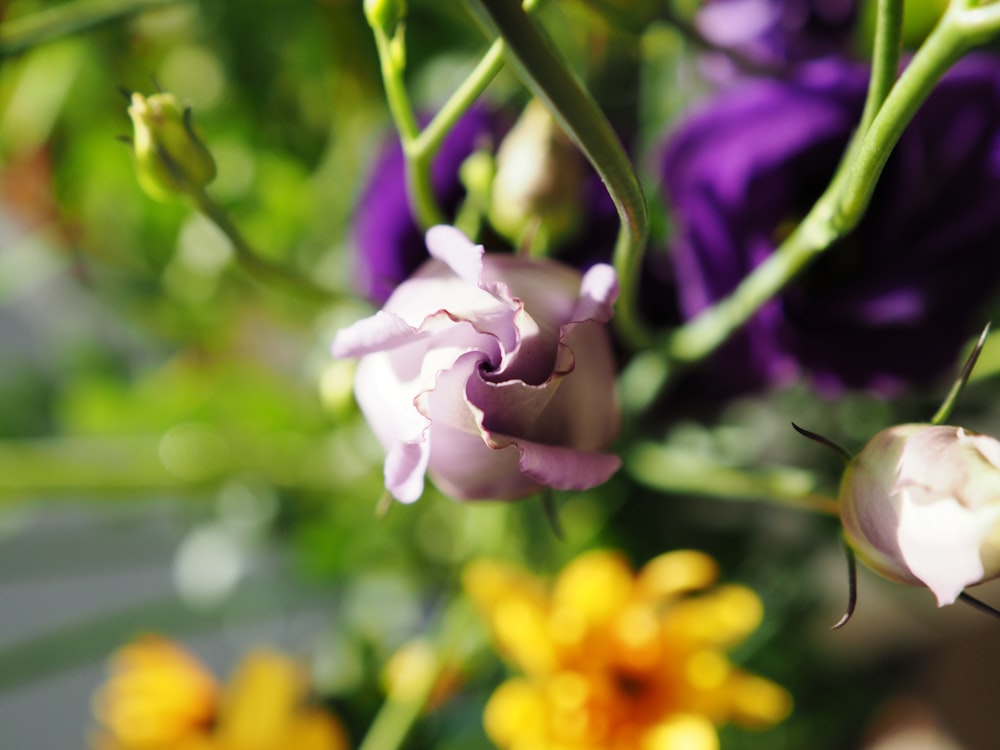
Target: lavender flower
{"points": [[493, 373], [893, 302], [778, 31]]}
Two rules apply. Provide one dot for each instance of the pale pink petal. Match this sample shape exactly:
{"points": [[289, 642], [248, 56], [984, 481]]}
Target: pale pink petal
{"points": [[939, 540], [381, 331], [405, 466], [598, 292], [457, 251], [559, 467]]}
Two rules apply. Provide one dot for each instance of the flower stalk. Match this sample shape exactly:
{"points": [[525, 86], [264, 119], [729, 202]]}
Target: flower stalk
{"points": [[842, 206], [544, 73]]}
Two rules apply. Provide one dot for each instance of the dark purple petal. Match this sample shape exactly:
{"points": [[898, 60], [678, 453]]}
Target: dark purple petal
{"points": [[892, 303]]}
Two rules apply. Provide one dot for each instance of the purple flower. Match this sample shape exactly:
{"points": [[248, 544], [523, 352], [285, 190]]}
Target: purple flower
{"points": [[778, 31], [388, 244], [893, 302], [491, 372]]}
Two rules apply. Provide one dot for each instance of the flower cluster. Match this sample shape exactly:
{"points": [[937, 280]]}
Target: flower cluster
{"points": [[616, 659], [477, 369], [159, 697]]}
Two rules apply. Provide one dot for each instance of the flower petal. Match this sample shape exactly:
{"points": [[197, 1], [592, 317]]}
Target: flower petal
{"points": [[598, 292], [381, 331], [559, 467], [940, 539], [405, 467], [457, 251]]}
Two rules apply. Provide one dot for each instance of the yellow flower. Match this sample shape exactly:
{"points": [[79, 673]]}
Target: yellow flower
{"points": [[618, 660], [159, 697]]}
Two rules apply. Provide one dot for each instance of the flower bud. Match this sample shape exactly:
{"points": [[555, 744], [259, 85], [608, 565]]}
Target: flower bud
{"points": [[385, 14], [169, 156], [538, 178], [921, 505]]}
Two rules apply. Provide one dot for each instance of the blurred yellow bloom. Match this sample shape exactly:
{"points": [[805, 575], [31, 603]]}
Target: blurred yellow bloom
{"points": [[159, 697], [618, 660]]}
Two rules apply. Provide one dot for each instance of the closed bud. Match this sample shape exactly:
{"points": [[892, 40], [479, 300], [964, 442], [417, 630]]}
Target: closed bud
{"points": [[385, 14], [170, 157], [538, 178], [921, 505]]}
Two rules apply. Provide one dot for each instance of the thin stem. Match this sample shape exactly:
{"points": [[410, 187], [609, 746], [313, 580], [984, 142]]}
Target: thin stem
{"points": [[885, 58], [398, 714], [544, 73], [405, 703], [251, 261], [942, 49], [420, 188], [963, 377], [67, 19], [839, 209], [684, 472], [466, 94]]}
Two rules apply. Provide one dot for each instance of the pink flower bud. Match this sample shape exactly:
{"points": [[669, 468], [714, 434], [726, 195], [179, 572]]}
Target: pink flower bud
{"points": [[492, 373], [921, 505]]}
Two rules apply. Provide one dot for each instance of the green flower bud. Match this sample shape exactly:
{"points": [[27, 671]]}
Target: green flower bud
{"points": [[169, 156], [921, 505], [538, 178], [385, 14]]}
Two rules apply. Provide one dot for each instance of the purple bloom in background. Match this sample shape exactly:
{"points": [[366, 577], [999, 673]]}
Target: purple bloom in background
{"points": [[780, 30], [389, 245], [893, 302]]}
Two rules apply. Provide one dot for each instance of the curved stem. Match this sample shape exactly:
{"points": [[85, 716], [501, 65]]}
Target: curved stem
{"points": [[251, 261], [545, 74], [66, 19], [418, 175], [885, 58], [841, 207]]}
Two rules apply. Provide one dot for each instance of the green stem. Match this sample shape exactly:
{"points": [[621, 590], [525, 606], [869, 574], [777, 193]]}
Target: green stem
{"points": [[66, 19], [685, 472], [251, 261], [885, 58], [958, 386], [420, 188], [545, 74], [841, 207], [405, 704]]}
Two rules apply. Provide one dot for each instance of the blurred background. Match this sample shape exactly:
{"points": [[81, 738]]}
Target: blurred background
{"points": [[179, 454]]}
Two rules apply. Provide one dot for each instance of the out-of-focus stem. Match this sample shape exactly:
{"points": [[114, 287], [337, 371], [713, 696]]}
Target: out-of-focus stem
{"points": [[254, 263], [545, 74], [66, 19]]}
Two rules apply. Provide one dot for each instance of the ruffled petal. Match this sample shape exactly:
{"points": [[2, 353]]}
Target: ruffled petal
{"points": [[559, 467], [458, 252], [381, 331]]}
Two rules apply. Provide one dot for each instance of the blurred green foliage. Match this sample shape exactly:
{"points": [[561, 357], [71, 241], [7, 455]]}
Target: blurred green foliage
{"points": [[139, 361]]}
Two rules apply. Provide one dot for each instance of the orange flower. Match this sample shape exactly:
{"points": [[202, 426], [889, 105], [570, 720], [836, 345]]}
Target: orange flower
{"points": [[615, 660], [159, 697]]}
